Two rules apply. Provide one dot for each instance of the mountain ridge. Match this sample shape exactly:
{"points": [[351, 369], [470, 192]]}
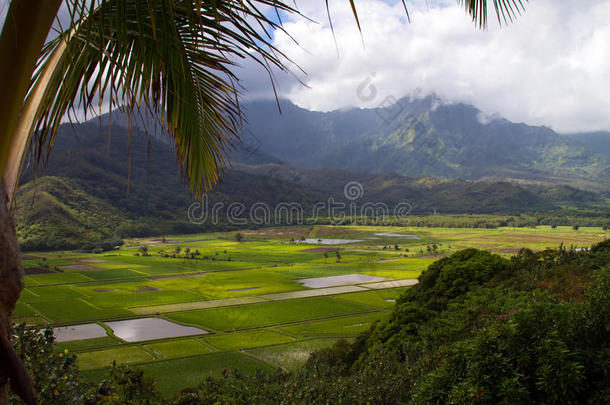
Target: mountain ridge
{"points": [[425, 137]]}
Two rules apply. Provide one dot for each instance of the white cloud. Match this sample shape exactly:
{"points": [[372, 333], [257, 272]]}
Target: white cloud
{"points": [[551, 67]]}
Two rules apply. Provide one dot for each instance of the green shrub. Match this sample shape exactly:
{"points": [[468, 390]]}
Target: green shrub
{"points": [[54, 373]]}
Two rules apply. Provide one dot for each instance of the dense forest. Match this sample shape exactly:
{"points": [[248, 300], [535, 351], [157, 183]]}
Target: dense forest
{"points": [[478, 328]]}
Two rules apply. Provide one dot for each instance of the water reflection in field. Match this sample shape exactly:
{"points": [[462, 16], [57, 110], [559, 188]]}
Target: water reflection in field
{"points": [[333, 281], [136, 330]]}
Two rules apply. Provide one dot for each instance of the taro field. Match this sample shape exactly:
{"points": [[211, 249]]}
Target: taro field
{"points": [[185, 307]]}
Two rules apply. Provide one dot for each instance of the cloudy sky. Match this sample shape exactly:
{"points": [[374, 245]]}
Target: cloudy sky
{"points": [[551, 67]]}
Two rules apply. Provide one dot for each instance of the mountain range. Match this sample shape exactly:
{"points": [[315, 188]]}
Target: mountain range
{"points": [[427, 137], [96, 189]]}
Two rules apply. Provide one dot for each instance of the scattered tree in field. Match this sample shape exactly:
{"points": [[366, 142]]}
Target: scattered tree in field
{"points": [[553, 226], [575, 227], [239, 236], [143, 250], [186, 252], [396, 247], [177, 250]]}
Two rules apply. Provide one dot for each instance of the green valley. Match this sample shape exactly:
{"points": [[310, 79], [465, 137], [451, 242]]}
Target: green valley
{"points": [[248, 298]]}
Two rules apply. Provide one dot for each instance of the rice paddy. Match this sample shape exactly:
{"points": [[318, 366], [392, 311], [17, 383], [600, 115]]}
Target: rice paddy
{"points": [[194, 305]]}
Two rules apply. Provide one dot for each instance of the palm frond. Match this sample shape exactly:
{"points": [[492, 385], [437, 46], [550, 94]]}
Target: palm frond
{"points": [[353, 4], [174, 58], [506, 10]]}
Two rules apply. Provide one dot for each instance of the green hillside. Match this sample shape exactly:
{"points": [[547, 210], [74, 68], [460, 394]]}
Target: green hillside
{"points": [[597, 141], [56, 213]]}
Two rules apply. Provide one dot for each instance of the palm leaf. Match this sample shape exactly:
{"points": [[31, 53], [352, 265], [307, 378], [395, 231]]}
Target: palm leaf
{"points": [[506, 10], [174, 58]]}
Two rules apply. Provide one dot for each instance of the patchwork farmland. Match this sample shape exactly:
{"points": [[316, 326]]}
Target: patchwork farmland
{"points": [[185, 307]]}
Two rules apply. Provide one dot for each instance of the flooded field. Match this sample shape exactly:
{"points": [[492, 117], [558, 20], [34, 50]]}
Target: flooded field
{"points": [[398, 235], [313, 241], [137, 330], [334, 281], [78, 332]]}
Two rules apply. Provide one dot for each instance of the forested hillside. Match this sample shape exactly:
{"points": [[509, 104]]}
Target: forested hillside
{"points": [[97, 189], [426, 137]]}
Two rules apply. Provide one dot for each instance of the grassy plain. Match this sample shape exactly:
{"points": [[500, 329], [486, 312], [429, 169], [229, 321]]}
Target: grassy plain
{"points": [[246, 294]]}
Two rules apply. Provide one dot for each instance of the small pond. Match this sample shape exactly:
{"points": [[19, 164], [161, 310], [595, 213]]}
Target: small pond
{"points": [[136, 330], [314, 241], [78, 332], [398, 235], [333, 281]]}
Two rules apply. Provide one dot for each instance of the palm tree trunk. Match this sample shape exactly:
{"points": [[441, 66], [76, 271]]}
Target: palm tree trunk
{"points": [[25, 127], [11, 284], [25, 29]]}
